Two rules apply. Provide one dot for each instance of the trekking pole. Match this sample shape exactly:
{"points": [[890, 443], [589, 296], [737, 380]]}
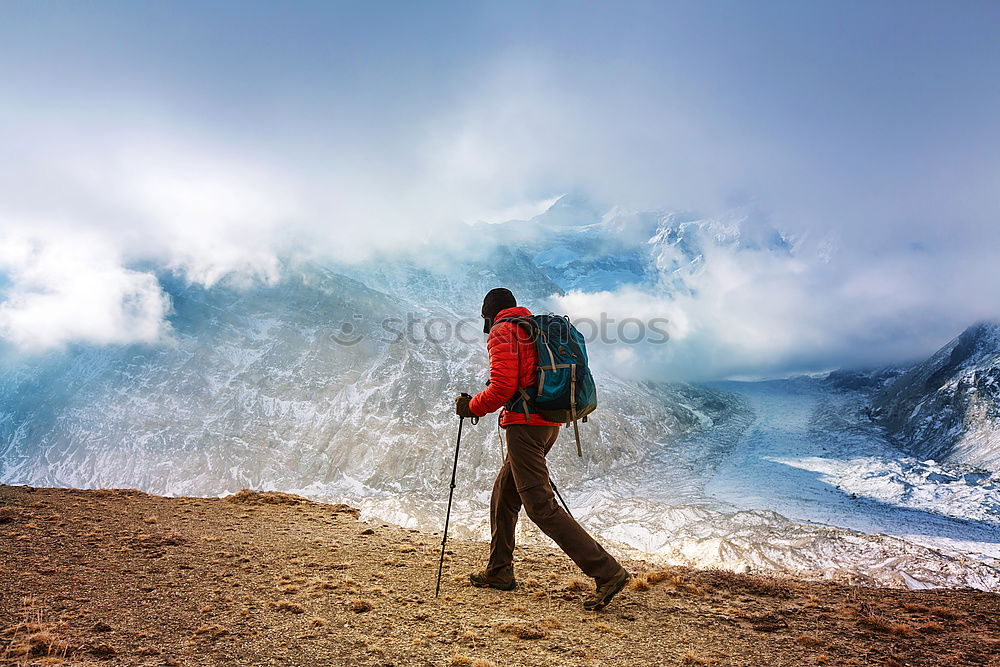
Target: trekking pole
{"points": [[451, 493]]}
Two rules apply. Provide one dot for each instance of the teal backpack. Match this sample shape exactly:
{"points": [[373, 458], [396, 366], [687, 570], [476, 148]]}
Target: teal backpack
{"points": [[565, 391]]}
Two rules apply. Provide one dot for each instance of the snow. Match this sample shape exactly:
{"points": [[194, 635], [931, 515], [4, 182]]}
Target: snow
{"points": [[775, 476]]}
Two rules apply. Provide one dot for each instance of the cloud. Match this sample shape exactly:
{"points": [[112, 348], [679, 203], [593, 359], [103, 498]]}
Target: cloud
{"points": [[67, 286], [306, 137], [747, 310]]}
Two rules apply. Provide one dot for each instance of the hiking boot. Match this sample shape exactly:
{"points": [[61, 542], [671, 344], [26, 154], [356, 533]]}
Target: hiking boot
{"points": [[502, 579], [602, 596]]}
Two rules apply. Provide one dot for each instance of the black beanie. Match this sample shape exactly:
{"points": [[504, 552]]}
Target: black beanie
{"points": [[496, 300]]}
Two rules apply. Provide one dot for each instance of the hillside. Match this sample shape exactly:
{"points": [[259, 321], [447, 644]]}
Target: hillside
{"points": [[947, 408], [118, 577]]}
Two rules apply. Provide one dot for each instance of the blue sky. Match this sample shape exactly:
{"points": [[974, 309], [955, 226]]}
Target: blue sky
{"points": [[213, 137]]}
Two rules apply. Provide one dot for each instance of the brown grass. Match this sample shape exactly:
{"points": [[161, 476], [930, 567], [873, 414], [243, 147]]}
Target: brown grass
{"points": [[759, 584], [359, 606], [462, 661], [117, 493], [656, 576], [942, 612], [285, 605], [33, 638], [251, 497], [551, 623], [882, 623], [212, 630], [639, 583], [930, 628], [523, 629]]}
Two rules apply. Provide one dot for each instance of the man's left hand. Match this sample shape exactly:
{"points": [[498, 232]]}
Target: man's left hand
{"points": [[462, 408]]}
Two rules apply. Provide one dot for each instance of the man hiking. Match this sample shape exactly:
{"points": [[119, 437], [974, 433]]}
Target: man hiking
{"points": [[524, 477]]}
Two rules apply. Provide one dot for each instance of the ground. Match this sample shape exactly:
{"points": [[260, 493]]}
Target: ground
{"points": [[119, 577]]}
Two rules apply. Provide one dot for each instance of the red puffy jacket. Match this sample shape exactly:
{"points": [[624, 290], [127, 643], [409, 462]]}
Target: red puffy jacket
{"points": [[513, 364]]}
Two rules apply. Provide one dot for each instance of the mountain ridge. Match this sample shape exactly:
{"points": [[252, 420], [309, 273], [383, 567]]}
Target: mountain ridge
{"points": [[948, 406]]}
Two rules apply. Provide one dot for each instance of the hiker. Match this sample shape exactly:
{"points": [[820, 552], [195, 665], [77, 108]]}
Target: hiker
{"points": [[524, 477]]}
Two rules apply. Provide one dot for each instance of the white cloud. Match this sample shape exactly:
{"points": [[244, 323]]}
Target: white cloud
{"points": [[751, 311], [66, 286], [163, 184]]}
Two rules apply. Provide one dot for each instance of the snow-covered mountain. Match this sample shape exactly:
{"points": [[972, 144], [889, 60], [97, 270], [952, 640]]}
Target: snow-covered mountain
{"points": [[337, 382], [338, 378], [948, 407]]}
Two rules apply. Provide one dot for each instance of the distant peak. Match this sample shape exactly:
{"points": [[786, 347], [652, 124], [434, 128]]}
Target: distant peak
{"points": [[987, 330], [572, 210]]}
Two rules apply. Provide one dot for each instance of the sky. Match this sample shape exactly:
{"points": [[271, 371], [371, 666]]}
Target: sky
{"points": [[214, 139]]}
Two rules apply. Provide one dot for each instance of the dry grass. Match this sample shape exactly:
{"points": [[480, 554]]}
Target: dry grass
{"points": [[359, 606], [33, 638], [285, 605], [656, 576], [551, 623], [212, 630], [462, 661], [251, 497], [881, 623], [523, 629], [759, 584], [117, 493], [692, 659], [930, 628], [808, 641], [639, 583], [942, 612]]}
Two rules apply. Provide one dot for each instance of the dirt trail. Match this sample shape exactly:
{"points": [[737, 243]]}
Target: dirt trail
{"points": [[118, 577]]}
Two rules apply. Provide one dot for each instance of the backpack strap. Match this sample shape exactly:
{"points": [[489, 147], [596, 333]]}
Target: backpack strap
{"points": [[572, 408], [525, 398], [524, 402]]}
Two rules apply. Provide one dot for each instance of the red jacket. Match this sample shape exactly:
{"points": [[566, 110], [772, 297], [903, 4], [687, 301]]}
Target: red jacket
{"points": [[513, 364]]}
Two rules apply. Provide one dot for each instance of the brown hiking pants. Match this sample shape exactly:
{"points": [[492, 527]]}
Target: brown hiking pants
{"points": [[524, 479]]}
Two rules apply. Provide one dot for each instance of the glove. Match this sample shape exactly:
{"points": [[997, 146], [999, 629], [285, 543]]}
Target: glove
{"points": [[462, 408]]}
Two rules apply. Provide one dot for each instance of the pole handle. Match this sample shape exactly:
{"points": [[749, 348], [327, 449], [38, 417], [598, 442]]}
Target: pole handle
{"points": [[474, 420]]}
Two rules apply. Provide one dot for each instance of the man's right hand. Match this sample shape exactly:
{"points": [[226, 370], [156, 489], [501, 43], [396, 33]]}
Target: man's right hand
{"points": [[462, 408]]}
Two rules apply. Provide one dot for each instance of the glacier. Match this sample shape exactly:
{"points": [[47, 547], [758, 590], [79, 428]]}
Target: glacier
{"points": [[311, 385]]}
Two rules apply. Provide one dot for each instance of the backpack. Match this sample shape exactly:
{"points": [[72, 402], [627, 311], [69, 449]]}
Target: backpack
{"points": [[565, 391]]}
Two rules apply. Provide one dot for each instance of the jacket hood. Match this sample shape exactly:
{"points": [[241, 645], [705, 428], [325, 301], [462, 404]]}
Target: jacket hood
{"points": [[513, 311]]}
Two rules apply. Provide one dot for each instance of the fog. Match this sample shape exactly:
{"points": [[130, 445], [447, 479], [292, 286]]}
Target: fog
{"points": [[218, 142]]}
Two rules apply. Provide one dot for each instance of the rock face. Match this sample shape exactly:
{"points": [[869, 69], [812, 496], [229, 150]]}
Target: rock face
{"points": [[948, 407]]}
